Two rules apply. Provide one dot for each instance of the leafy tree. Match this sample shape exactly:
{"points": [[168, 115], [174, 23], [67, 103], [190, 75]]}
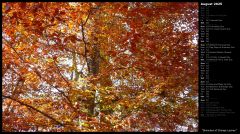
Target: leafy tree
{"points": [[129, 66]]}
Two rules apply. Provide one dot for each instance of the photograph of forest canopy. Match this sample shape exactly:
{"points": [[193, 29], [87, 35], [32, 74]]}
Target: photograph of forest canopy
{"points": [[99, 66]]}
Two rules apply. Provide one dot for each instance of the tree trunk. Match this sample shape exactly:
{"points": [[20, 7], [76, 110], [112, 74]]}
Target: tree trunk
{"points": [[93, 62]]}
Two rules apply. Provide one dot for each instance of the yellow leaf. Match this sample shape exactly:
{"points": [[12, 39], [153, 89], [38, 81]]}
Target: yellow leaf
{"points": [[84, 124], [20, 48], [70, 25], [49, 60]]}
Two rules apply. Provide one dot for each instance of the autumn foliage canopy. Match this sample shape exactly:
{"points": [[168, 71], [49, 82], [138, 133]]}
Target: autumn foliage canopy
{"points": [[127, 66]]}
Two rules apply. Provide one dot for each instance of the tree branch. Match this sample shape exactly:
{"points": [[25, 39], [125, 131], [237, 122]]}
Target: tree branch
{"points": [[89, 12], [13, 49], [61, 92], [29, 106], [85, 47]]}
